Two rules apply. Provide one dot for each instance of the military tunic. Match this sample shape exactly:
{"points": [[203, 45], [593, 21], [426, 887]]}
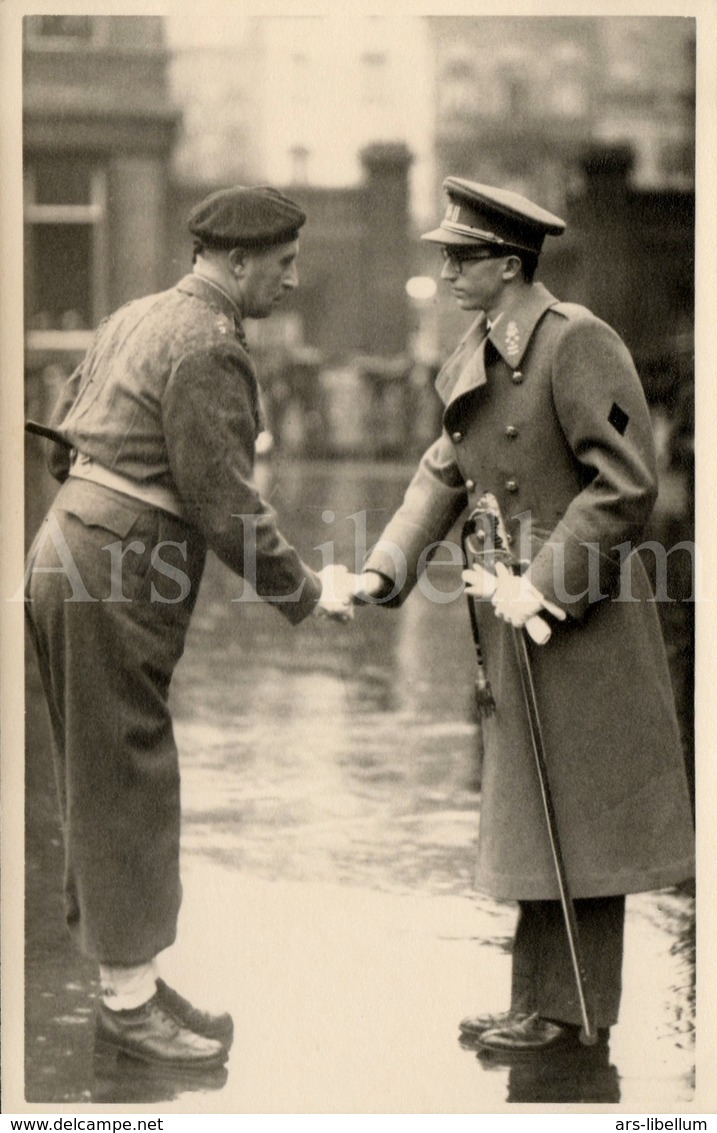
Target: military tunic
{"points": [[546, 412], [166, 398]]}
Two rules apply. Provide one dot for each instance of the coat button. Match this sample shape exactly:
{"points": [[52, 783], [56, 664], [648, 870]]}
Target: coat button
{"points": [[470, 485], [511, 431], [516, 377], [457, 438], [511, 485]]}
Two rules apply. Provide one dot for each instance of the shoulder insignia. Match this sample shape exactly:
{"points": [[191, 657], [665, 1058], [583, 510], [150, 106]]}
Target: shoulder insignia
{"points": [[512, 339], [618, 418], [223, 324]]}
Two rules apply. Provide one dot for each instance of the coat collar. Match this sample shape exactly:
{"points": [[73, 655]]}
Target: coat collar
{"points": [[512, 329], [464, 369], [216, 297], [510, 333]]}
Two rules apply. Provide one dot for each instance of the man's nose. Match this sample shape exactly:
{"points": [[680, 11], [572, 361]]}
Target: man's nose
{"points": [[291, 278], [448, 271]]}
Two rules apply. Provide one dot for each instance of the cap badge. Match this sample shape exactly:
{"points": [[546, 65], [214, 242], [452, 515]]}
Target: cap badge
{"points": [[512, 339], [453, 214]]}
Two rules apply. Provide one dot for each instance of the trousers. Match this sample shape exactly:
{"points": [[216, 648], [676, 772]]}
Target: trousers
{"points": [[111, 584], [543, 979]]}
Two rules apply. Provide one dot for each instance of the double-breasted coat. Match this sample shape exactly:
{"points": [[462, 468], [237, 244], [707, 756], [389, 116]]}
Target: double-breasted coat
{"points": [[546, 412]]}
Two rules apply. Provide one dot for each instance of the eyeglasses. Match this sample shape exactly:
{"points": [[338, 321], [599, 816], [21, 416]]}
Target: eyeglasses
{"points": [[456, 258]]}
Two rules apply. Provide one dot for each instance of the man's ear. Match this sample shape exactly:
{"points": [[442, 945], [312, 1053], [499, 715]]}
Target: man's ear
{"points": [[512, 268], [237, 261]]}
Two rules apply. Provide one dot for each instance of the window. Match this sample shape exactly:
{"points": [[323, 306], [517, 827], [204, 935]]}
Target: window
{"points": [[459, 96], [63, 31], [516, 93], [65, 251], [300, 77], [74, 27], [375, 78], [299, 165], [677, 162], [460, 90]]}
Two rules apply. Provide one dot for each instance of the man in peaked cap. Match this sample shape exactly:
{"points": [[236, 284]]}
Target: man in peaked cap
{"points": [[154, 449], [543, 409], [484, 218]]}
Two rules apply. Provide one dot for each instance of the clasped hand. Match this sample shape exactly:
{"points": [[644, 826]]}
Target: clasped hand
{"points": [[338, 586], [342, 590]]}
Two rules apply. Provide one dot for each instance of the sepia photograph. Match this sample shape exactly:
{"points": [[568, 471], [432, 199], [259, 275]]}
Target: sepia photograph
{"points": [[352, 574]]}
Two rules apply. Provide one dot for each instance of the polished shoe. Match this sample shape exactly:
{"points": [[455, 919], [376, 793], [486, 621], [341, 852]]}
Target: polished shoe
{"points": [[151, 1033], [219, 1027], [474, 1025], [531, 1035]]}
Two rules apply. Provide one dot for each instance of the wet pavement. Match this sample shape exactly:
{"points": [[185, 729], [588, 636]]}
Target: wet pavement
{"points": [[331, 804]]}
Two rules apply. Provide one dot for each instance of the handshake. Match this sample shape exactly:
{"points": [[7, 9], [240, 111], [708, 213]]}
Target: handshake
{"points": [[341, 590]]}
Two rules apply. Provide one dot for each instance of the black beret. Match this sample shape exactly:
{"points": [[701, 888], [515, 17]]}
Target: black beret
{"points": [[246, 215], [481, 214]]}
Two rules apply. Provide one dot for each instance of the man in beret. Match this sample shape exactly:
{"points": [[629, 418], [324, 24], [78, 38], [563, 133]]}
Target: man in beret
{"points": [[544, 410], [154, 449]]}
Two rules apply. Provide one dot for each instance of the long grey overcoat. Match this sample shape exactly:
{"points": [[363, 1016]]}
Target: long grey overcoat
{"points": [[548, 414]]}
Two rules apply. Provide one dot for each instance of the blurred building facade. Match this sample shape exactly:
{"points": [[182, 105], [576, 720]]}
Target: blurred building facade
{"points": [[567, 110], [517, 98], [98, 133], [214, 74], [129, 120], [295, 100], [99, 128]]}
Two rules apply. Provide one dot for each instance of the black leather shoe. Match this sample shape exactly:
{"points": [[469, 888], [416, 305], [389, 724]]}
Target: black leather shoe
{"points": [[474, 1025], [152, 1034], [219, 1027], [531, 1035]]}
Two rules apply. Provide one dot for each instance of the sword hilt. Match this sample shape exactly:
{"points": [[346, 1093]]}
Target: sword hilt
{"points": [[488, 542]]}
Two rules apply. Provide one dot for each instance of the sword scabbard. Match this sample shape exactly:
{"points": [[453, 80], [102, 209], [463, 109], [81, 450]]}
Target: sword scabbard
{"points": [[485, 701]]}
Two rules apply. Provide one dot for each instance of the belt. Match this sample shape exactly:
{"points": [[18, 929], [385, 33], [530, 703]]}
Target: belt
{"points": [[85, 468]]}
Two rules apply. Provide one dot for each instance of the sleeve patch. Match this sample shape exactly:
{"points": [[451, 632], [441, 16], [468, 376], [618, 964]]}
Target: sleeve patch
{"points": [[618, 418]]}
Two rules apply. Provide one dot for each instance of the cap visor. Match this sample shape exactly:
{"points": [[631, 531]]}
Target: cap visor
{"points": [[445, 236]]}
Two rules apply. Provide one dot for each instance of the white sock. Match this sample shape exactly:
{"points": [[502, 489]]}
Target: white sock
{"points": [[125, 988]]}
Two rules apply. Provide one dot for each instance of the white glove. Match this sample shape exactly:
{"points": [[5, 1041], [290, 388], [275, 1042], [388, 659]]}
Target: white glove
{"points": [[368, 586], [516, 600], [482, 584], [337, 591]]}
